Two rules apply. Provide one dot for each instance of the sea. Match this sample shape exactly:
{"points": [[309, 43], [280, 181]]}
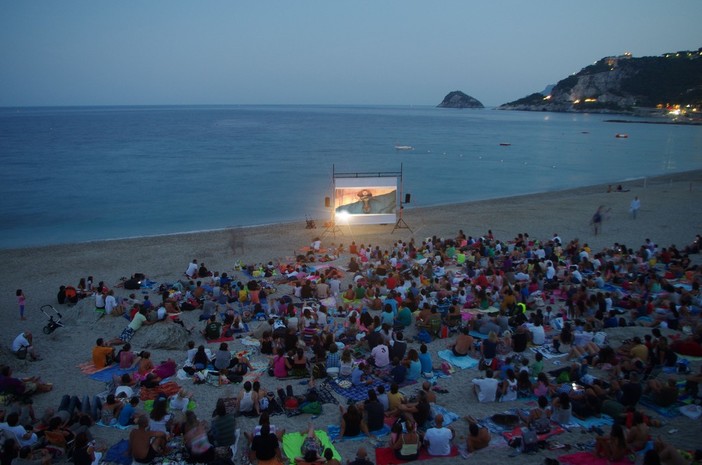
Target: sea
{"points": [[78, 174]]}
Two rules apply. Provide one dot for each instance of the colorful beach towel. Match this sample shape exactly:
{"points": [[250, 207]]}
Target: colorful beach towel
{"points": [[592, 422], [292, 443], [105, 375], [169, 388], [356, 393], [547, 352], [386, 456], [509, 435], [335, 430], [588, 458], [671, 411], [460, 362], [117, 454]]}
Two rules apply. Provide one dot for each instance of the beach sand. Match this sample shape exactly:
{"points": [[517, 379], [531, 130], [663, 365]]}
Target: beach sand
{"points": [[671, 213]]}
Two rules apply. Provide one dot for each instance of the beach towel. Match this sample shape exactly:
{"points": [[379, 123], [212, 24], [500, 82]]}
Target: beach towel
{"points": [[168, 388], [335, 430], [292, 442], [386, 456], [495, 427], [591, 422], [509, 435], [220, 340], [670, 411], [117, 454], [588, 458], [88, 368], [148, 405], [449, 417], [478, 334], [105, 375], [325, 395], [547, 352], [114, 424], [460, 362], [356, 393]]}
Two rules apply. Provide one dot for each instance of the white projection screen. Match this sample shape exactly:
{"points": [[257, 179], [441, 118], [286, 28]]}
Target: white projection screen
{"points": [[365, 200]]}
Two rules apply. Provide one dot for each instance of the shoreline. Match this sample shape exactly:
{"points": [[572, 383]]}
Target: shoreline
{"points": [[692, 175]]}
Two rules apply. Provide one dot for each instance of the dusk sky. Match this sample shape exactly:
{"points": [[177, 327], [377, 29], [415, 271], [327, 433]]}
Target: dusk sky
{"points": [[398, 52]]}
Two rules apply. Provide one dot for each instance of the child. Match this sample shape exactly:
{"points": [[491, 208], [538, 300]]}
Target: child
{"points": [[425, 360], [346, 366], [20, 303], [538, 365]]}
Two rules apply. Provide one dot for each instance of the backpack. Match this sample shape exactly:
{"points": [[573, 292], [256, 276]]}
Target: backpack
{"points": [[542, 425], [530, 442], [424, 336], [313, 408]]}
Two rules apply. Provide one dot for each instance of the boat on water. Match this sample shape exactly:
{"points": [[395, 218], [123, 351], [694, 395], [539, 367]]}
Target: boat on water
{"points": [[403, 147], [621, 136], [505, 144]]}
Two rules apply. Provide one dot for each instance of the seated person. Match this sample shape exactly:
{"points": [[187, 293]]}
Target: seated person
{"points": [[438, 439], [248, 401], [478, 437], [212, 329], [663, 394], [464, 344], [22, 345], [265, 447], [352, 423], [103, 355]]}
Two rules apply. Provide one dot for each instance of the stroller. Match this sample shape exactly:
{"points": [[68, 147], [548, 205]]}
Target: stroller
{"points": [[52, 324]]}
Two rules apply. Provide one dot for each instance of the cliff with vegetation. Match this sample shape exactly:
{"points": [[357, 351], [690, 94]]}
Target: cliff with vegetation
{"points": [[458, 99], [625, 84]]}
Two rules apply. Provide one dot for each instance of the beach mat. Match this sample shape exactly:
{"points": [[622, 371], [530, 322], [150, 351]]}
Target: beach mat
{"points": [[169, 388], [555, 430], [478, 334], [547, 352], [357, 393], [105, 375], [335, 430], [588, 458], [220, 340], [117, 454], [671, 411], [591, 422], [460, 362], [292, 443], [386, 456]]}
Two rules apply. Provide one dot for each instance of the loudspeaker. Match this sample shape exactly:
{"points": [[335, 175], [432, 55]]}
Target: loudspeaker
{"points": [[407, 198], [327, 202]]}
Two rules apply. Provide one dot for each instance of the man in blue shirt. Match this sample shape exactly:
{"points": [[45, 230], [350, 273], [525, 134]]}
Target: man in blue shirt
{"points": [[128, 412]]}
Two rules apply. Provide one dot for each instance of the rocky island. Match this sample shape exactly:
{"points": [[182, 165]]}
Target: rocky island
{"points": [[670, 84], [458, 99]]}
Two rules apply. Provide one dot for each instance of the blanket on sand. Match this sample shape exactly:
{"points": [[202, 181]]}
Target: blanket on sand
{"points": [[460, 362], [292, 443], [386, 456], [588, 458], [335, 430], [168, 388]]}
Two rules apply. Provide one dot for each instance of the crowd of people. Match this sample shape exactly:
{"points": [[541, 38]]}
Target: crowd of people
{"points": [[492, 299]]}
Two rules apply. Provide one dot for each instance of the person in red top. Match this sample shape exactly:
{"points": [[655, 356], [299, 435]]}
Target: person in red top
{"points": [[391, 282]]}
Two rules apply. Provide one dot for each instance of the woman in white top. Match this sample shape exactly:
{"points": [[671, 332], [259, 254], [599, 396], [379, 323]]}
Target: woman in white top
{"points": [[248, 400], [509, 386]]}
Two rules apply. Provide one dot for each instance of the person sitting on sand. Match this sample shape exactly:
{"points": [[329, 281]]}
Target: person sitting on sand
{"points": [[478, 437], [361, 458], [406, 445], [145, 445], [352, 423], [438, 439], [21, 387], [265, 447], [212, 329], [103, 355], [23, 345], [464, 344]]}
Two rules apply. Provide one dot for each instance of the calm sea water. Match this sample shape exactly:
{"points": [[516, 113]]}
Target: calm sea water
{"points": [[89, 173]]}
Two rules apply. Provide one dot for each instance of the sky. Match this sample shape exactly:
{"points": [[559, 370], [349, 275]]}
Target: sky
{"points": [[380, 52]]}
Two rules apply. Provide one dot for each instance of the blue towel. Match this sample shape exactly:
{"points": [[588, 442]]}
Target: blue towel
{"points": [[478, 334], [106, 374], [603, 420], [334, 430], [460, 362], [118, 453]]}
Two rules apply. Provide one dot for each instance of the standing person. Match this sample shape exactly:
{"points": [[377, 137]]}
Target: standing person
{"points": [[597, 219], [20, 303], [635, 206]]}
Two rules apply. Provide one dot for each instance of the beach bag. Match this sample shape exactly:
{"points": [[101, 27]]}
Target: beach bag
{"points": [[313, 408], [530, 441], [542, 425], [599, 338], [291, 403], [424, 336], [444, 332]]}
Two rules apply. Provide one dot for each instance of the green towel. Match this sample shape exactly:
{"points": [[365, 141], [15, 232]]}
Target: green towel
{"points": [[292, 444]]}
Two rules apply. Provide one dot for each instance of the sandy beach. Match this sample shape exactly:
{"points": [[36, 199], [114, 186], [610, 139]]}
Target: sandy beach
{"points": [[671, 213]]}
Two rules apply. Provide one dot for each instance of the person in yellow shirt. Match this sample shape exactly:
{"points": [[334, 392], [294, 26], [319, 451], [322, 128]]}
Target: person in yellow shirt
{"points": [[102, 355]]}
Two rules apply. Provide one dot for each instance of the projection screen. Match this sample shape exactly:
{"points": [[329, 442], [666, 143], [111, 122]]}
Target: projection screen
{"points": [[365, 200]]}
